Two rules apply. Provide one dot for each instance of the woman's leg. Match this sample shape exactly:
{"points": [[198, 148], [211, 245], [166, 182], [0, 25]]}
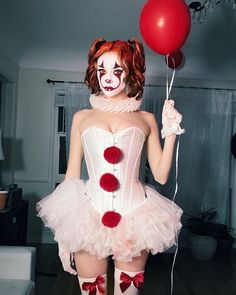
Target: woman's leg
{"points": [[91, 272], [129, 276]]}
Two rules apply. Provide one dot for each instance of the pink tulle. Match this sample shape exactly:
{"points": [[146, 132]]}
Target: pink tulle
{"points": [[153, 225]]}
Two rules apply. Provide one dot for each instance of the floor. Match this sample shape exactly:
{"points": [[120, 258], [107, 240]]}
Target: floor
{"points": [[191, 276]]}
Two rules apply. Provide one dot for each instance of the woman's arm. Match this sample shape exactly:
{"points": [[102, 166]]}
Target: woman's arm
{"points": [[72, 172], [160, 161], [76, 149]]}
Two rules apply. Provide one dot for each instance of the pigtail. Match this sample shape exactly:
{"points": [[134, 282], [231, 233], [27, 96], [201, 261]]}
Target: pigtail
{"points": [[137, 78], [138, 54], [95, 47], [90, 76]]}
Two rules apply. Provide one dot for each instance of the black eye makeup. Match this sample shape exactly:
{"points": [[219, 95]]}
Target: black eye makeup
{"points": [[101, 71], [118, 72]]}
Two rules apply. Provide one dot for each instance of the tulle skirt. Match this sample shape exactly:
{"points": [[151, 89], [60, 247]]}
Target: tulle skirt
{"points": [[153, 225]]}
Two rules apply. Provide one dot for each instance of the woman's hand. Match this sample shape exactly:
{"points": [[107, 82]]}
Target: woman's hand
{"points": [[65, 257], [171, 120]]}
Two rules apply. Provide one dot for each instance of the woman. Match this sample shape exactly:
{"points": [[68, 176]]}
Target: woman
{"points": [[113, 213]]}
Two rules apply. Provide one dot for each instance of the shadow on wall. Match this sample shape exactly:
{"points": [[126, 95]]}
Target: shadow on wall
{"points": [[10, 146], [218, 38], [13, 160]]}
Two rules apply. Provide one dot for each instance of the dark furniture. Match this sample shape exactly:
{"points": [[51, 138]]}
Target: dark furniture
{"points": [[13, 225]]}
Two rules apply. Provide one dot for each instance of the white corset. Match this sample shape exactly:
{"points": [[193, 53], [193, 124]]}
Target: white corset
{"points": [[130, 193]]}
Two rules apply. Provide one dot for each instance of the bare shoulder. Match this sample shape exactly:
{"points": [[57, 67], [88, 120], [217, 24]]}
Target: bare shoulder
{"points": [[148, 117], [80, 115]]}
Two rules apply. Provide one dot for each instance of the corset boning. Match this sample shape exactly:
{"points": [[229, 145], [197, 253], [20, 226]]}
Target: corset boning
{"points": [[129, 193]]}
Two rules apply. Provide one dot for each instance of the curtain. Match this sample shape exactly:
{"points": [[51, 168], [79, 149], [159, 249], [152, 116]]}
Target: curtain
{"points": [[76, 98], [204, 155]]}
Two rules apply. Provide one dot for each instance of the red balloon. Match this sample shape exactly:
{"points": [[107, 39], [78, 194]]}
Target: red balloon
{"points": [[165, 24], [174, 59]]}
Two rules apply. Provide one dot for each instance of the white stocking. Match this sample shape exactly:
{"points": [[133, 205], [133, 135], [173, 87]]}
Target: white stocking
{"points": [[127, 283], [99, 283]]}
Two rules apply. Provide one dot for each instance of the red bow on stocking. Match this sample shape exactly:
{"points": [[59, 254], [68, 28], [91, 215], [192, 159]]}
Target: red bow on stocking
{"points": [[93, 286], [137, 280]]}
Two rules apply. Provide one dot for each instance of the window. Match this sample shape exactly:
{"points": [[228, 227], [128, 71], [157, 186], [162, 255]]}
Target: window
{"points": [[59, 165]]}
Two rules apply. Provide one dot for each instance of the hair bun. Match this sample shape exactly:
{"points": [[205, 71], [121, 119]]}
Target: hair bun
{"points": [[99, 43], [131, 43]]}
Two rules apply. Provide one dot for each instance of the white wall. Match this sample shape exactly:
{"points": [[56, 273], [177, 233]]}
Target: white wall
{"points": [[9, 79], [199, 63], [34, 121]]}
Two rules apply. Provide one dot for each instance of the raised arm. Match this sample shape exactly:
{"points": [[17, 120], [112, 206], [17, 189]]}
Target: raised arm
{"points": [[160, 161], [76, 149]]}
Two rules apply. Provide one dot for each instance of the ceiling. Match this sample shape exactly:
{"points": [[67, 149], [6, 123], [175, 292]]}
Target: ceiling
{"points": [[56, 34]]}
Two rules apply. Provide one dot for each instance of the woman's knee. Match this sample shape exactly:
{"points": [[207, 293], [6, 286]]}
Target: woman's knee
{"points": [[89, 266], [137, 264]]}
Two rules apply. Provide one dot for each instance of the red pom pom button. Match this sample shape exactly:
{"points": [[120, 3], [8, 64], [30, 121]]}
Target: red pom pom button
{"points": [[109, 182], [111, 219], [112, 154]]}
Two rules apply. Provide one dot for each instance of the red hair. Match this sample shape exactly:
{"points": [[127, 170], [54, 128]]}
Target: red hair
{"points": [[132, 59]]}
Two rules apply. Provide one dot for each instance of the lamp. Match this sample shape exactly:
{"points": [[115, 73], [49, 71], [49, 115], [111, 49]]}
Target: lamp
{"points": [[1, 150], [200, 10]]}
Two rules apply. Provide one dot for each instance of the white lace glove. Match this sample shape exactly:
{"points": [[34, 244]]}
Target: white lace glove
{"points": [[65, 257], [171, 119]]}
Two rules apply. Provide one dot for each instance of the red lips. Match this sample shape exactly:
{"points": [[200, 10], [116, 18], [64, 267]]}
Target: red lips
{"points": [[109, 88]]}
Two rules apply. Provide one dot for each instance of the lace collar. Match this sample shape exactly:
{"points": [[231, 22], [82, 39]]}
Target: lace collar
{"points": [[131, 104]]}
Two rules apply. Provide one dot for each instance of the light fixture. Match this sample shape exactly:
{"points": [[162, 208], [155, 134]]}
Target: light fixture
{"points": [[201, 9]]}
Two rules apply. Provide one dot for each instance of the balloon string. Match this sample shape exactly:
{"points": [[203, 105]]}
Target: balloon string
{"points": [[167, 78], [168, 88], [176, 169], [176, 234], [173, 265]]}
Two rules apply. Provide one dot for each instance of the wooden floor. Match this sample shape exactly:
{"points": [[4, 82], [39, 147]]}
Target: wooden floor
{"points": [[191, 276]]}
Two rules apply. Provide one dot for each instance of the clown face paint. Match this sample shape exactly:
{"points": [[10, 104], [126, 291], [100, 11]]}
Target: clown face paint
{"points": [[111, 76]]}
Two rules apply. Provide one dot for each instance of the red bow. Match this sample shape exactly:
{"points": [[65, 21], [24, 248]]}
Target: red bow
{"points": [[92, 286], [137, 280]]}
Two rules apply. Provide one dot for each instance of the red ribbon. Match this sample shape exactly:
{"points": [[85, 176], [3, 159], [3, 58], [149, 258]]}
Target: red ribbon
{"points": [[93, 286], [137, 280]]}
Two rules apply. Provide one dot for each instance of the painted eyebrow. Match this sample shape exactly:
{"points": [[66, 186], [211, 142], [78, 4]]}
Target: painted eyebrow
{"points": [[101, 65], [115, 66]]}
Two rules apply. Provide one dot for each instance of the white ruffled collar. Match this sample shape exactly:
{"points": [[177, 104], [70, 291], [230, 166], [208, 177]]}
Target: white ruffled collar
{"points": [[99, 102]]}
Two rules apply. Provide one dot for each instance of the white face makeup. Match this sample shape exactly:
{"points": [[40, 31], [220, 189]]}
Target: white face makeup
{"points": [[111, 76]]}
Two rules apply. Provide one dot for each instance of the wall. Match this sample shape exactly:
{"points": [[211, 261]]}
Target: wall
{"points": [[34, 121], [9, 78], [8, 69]]}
